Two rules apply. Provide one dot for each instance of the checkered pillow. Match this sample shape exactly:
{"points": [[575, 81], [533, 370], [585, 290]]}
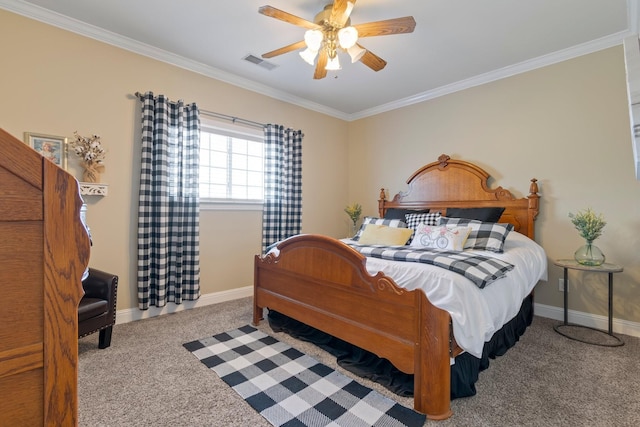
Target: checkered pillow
{"points": [[378, 221], [415, 219], [489, 236]]}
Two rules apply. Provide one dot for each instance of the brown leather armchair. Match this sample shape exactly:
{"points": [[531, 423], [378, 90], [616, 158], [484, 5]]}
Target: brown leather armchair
{"points": [[97, 308]]}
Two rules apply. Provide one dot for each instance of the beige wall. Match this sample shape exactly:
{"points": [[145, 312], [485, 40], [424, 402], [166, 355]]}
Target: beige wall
{"points": [[566, 125], [57, 82]]}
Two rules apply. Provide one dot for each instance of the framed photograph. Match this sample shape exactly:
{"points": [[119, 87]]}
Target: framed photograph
{"points": [[52, 147]]}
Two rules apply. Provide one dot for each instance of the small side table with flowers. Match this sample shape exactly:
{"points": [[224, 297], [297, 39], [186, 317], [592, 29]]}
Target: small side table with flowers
{"points": [[563, 328]]}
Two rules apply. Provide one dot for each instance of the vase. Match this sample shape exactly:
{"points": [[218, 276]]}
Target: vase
{"points": [[353, 229], [90, 176], [92, 171], [589, 254]]}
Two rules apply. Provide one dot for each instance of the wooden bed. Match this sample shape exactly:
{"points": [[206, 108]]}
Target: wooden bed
{"points": [[323, 283]]}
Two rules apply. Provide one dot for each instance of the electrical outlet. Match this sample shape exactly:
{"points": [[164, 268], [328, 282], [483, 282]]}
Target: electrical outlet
{"points": [[561, 285]]}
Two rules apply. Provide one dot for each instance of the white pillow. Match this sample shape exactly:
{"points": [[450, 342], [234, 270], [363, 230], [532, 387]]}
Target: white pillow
{"points": [[415, 219], [440, 237]]}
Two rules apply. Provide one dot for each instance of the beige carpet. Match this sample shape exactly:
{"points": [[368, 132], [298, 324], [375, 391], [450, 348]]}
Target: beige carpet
{"points": [[147, 378]]}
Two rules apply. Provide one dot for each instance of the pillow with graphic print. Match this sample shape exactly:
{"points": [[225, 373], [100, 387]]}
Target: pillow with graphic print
{"points": [[414, 219], [378, 221], [488, 236], [374, 234], [440, 237]]}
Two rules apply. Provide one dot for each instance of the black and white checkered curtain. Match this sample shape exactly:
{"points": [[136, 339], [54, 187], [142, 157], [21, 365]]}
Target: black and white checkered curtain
{"points": [[168, 209], [282, 209]]}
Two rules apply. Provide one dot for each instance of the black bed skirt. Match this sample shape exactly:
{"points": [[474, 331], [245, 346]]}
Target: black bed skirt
{"points": [[464, 373]]}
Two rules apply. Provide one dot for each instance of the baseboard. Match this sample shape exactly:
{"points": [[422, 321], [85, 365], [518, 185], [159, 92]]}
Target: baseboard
{"points": [[581, 318], [133, 314], [578, 317]]}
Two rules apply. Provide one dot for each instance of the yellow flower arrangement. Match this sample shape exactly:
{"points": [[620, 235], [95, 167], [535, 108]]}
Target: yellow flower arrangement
{"points": [[588, 223], [354, 210]]}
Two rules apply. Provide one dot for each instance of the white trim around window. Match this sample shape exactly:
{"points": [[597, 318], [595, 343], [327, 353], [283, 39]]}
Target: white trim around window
{"points": [[229, 205], [235, 131]]}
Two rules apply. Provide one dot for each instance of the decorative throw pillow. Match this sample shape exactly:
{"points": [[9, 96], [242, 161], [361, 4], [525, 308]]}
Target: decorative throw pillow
{"points": [[374, 234], [479, 214], [440, 237], [378, 221], [489, 236], [398, 213], [414, 219]]}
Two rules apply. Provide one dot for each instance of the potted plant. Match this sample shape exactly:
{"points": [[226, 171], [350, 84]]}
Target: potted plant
{"points": [[590, 226], [353, 210]]}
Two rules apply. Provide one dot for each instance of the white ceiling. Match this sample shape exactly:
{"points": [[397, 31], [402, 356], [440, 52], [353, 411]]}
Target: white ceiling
{"points": [[456, 43]]}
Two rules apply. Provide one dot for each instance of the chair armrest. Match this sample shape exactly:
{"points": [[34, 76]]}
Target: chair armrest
{"points": [[100, 284]]}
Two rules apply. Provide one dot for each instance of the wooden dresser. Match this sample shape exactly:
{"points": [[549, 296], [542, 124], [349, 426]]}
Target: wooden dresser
{"points": [[44, 250]]}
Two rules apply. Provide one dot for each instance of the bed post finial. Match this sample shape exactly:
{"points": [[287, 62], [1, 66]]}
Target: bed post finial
{"points": [[381, 201], [443, 160], [534, 199]]}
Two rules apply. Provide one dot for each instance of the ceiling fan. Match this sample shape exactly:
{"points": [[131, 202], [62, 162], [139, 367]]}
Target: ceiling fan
{"points": [[332, 30]]}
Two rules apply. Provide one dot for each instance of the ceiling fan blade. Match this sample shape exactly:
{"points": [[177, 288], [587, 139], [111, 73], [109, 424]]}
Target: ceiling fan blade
{"points": [[287, 17], [294, 46], [341, 11], [373, 61], [321, 71], [387, 27]]}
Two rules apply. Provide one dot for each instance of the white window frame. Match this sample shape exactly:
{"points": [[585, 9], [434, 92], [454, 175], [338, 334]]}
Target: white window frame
{"points": [[236, 132]]}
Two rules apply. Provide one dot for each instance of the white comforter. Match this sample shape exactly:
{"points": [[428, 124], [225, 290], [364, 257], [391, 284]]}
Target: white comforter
{"points": [[476, 313]]}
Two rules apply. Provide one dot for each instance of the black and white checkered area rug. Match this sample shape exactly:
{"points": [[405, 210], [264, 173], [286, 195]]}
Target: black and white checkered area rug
{"points": [[289, 388]]}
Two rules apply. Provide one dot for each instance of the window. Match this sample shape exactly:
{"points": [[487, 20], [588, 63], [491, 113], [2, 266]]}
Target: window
{"points": [[231, 166]]}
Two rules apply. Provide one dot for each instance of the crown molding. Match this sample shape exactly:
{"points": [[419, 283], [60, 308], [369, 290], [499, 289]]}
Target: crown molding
{"points": [[66, 23], [633, 15], [55, 19], [491, 76]]}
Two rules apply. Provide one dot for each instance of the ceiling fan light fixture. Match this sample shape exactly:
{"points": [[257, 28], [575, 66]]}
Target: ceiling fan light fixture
{"points": [[309, 55], [349, 8], [331, 31], [313, 39], [333, 64], [356, 53], [347, 37]]}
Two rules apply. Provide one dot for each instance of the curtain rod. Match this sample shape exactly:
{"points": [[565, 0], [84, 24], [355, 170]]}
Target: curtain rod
{"points": [[232, 119]]}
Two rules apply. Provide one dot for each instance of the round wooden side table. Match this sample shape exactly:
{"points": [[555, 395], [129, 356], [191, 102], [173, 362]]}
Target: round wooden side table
{"points": [[610, 269]]}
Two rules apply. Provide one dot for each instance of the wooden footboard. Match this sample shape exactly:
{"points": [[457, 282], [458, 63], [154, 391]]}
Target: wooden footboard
{"points": [[322, 282]]}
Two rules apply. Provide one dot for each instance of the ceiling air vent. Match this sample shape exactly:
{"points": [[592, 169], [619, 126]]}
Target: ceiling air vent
{"points": [[260, 62]]}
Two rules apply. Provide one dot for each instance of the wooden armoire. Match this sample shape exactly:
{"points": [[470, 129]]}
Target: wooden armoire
{"points": [[44, 249]]}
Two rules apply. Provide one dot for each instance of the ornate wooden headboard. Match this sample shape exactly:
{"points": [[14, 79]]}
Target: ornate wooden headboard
{"points": [[450, 183]]}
